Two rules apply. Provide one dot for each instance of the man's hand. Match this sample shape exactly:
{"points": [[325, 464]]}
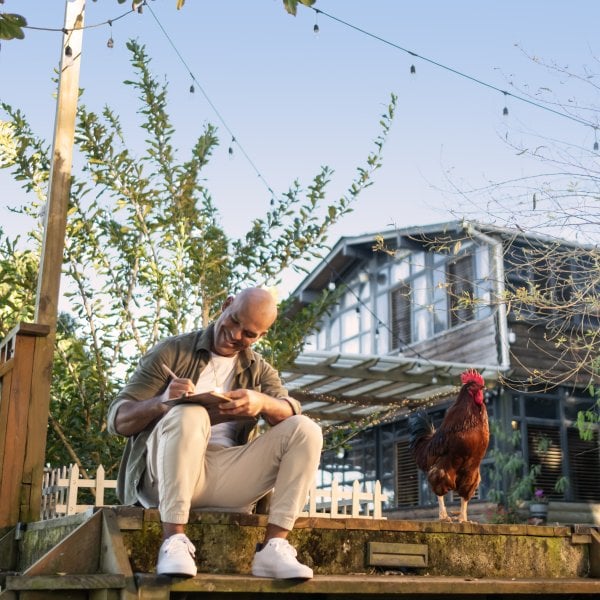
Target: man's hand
{"points": [[251, 403], [177, 388]]}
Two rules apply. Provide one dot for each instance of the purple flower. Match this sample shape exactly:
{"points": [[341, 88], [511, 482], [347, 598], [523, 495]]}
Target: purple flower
{"points": [[539, 493]]}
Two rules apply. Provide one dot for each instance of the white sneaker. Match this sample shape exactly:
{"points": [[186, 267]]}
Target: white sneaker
{"points": [[176, 557], [277, 559]]}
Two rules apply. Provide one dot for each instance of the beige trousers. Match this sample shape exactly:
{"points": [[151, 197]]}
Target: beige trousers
{"points": [[184, 472]]}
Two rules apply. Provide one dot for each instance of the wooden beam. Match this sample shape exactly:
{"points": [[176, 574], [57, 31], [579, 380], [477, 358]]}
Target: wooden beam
{"points": [[51, 259]]}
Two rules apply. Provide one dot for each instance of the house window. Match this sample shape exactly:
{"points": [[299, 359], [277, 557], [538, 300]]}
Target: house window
{"points": [[438, 294]]}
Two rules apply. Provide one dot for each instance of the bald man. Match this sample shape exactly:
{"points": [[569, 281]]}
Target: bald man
{"points": [[176, 460]]}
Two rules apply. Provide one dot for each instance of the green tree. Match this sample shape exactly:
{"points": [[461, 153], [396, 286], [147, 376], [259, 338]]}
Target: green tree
{"points": [[146, 256]]}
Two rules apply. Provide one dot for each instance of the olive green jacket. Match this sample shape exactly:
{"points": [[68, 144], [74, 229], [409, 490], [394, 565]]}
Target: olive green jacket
{"points": [[187, 355]]}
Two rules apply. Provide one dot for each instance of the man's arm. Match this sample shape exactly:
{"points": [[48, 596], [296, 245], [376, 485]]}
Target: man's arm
{"points": [[134, 416]]}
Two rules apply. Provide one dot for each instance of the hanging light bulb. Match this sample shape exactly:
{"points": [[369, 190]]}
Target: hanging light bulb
{"points": [[230, 150], [596, 146], [316, 28], [110, 43], [505, 109], [192, 89], [413, 69]]}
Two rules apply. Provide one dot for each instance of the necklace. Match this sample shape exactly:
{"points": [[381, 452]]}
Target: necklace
{"points": [[223, 368], [218, 387]]}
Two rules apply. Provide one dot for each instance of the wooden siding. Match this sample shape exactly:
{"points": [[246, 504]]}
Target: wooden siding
{"points": [[531, 351], [472, 342]]}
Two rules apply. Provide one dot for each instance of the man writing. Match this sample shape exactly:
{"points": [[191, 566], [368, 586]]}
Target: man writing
{"points": [[176, 460]]}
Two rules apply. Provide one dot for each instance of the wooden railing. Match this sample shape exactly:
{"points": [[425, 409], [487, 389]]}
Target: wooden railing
{"points": [[23, 422], [61, 486]]}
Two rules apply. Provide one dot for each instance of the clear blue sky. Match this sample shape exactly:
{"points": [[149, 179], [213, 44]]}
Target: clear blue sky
{"points": [[296, 100]]}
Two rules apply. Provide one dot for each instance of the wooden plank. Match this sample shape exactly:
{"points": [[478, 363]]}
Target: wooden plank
{"points": [[38, 425], [79, 552], [8, 551], [5, 387], [385, 554], [362, 585], [6, 367], [113, 556], [595, 554], [65, 582], [12, 452]]}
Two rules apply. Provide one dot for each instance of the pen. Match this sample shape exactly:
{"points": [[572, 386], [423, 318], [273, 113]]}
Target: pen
{"points": [[169, 371]]}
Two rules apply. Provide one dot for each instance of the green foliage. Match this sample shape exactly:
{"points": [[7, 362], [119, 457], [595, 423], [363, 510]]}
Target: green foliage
{"points": [[146, 257], [588, 420], [11, 26], [292, 5], [510, 481], [18, 281]]}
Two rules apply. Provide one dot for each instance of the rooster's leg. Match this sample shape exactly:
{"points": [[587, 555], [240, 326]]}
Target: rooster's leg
{"points": [[462, 517], [443, 513]]}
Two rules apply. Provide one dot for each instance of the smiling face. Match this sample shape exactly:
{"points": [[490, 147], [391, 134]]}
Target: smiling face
{"points": [[244, 320]]}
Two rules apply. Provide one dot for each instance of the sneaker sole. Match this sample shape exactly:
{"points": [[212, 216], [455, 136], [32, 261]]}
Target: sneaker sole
{"points": [[261, 573]]}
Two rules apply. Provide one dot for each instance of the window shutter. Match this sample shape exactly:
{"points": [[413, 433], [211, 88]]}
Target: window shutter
{"points": [[584, 467], [543, 443], [400, 304], [460, 289], [407, 476]]}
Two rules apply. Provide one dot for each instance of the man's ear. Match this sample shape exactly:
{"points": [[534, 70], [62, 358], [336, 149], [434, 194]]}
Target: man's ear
{"points": [[227, 302]]}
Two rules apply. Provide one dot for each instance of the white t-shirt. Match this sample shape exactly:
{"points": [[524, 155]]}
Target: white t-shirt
{"points": [[218, 376]]}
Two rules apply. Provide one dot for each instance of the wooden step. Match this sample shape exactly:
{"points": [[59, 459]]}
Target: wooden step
{"points": [[97, 581], [362, 586]]}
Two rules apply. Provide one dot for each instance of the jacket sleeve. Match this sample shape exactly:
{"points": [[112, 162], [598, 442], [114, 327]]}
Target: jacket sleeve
{"points": [[147, 381], [270, 384]]}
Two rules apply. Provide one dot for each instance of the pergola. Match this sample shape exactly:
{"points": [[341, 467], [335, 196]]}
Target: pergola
{"points": [[337, 388]]}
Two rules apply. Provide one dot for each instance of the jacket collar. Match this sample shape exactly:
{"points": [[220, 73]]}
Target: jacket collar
{"points": [[204, 343]]}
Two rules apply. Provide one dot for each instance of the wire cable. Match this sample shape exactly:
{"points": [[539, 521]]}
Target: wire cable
{"points": [[456, 71]]}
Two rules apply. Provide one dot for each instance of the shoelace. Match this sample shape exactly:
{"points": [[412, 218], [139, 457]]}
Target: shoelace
{"points": [[286, 548], [175, 539]]}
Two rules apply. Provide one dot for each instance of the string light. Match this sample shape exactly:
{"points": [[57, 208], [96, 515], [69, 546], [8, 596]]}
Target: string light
{"points": [[316, 25], [211, 104], [505, 109], [457, 72], [595, 139], [110, 43], [108, 22]]}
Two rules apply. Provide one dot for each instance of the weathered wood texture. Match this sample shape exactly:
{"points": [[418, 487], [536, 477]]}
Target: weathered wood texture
{"points": [[531, 350], [22, 430], [472, 342]]}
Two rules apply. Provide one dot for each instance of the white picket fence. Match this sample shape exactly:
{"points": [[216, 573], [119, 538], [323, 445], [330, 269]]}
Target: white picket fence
{"points": [[61, 485], [338, 502]]}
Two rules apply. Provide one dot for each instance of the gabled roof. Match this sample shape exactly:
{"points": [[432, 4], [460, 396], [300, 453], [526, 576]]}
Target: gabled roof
{"points": [[349, 249]]}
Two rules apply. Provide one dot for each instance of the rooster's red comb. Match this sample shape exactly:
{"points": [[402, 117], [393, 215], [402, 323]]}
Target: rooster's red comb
{"points": [[471, 376]]}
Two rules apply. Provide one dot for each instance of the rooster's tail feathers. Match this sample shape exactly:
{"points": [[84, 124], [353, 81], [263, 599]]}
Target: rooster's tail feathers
{"points": [[420, 427]]}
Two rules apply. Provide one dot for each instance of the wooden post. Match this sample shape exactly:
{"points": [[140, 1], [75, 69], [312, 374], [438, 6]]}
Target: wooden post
{"points": [[29, 399]]}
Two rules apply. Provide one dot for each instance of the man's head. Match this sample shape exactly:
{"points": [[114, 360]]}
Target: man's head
{"points": [[244, 320]]}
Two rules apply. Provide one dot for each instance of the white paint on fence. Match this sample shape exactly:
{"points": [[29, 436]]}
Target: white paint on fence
{"points": [[61, 485]]}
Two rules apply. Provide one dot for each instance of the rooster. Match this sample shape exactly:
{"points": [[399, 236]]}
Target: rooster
{"points": [[451, 455]]}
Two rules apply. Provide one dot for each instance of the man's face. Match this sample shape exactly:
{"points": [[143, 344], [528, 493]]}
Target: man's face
{"points": [[238, 328]]}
